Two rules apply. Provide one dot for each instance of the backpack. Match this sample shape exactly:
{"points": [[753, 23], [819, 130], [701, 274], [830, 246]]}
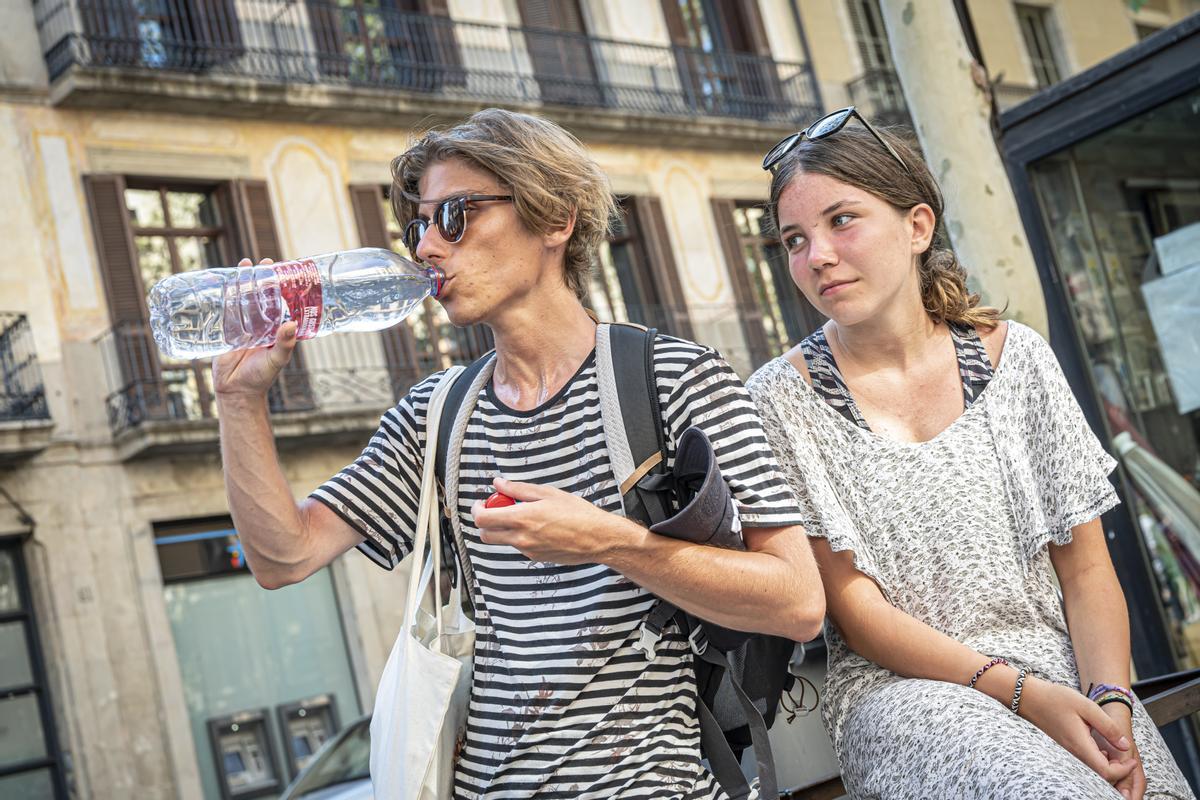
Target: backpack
{"points": [[740, 677]]}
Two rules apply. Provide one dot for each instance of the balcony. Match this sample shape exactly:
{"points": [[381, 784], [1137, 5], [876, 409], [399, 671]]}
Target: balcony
{"points": [[25, 423], [331, 393], [879, 96], [323, 62]]}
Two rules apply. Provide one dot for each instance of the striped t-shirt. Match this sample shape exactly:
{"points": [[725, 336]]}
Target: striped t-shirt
{"points": [[562, 705]]}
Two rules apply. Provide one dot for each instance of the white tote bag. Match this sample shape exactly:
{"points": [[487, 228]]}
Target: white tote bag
{"points": [[421, 705]]}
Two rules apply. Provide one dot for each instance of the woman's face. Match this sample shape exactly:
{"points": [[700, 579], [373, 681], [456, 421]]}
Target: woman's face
{"points": [[851, 253]]}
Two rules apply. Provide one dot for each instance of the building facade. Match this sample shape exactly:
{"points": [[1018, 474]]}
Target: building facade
{"points": [[146, 137]]}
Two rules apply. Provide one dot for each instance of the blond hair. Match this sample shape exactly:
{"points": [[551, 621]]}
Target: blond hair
{"points": [[853, 156], [544, 167]]}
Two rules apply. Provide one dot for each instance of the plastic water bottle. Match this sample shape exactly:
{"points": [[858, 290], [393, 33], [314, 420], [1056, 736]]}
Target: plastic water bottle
{"points": [[212, 311]]}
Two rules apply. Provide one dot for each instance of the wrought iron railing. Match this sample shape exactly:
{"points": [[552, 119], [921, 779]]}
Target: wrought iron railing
{"points": [[879, 96], [321, 42], [345, 373], [22, 393]]}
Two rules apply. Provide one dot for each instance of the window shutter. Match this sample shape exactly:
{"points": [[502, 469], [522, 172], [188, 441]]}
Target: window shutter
{"points": [[444, 43], [748, 311], [325, 18], [292, 391], [399, 349], [216, 31], [137, 355], [656, 243], [111, 29], [560, 51], [367, 200]]}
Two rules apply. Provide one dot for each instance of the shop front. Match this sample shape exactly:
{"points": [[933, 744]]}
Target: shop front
{"points": [[1106, 167]]}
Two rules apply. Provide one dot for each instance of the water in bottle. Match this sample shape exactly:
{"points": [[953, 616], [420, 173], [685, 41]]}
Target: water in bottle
{"points": [[208, 312]]}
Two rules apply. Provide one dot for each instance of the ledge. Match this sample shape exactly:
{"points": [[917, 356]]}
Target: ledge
{"points": [[136, 89], [293, 430], [21, 440]]}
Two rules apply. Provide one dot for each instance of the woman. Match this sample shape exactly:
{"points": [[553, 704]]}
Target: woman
{"points": [[964, 480]]}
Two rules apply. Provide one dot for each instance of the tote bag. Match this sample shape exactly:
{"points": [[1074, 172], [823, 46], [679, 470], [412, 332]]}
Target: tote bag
{"points": [[421, 704]]}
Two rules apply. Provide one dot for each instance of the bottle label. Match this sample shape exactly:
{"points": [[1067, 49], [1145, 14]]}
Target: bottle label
{"points": [[300, 286]]}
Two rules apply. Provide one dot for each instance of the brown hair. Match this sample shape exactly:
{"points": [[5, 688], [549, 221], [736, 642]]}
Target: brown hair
{"points": [[854, 157], [545, 168]]}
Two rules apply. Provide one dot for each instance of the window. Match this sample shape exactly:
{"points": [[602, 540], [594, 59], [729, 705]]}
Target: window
{"points": [[178, 228], [146, 229], [248, 658], [1037, 28], [404, 43], [634, 279], [29, 760], [723, 55], [876, 90], [774, 314]]}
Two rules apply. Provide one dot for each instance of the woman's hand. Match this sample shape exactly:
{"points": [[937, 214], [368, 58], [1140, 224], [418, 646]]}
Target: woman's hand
{"points": [[1132, 786], [1083, 728], [250, 373]]}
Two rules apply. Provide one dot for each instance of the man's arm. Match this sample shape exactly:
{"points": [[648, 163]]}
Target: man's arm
{"points": [[284, 542], [772, 587]]}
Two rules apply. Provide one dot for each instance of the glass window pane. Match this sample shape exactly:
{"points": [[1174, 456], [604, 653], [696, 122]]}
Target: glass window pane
{"points": [[197, 252], [154, 259], [21, 736], [10, 597], [34, 785], [191, 209], [1109, 205], [145, 208], [394, 228], [14, 656]]}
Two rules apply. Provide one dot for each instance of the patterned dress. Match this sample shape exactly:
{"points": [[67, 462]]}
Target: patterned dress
{"points": [[955, 531]]}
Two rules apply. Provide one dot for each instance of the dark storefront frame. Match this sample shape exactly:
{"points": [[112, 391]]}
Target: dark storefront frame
{"points": [[1147, 75], [27, 616]]}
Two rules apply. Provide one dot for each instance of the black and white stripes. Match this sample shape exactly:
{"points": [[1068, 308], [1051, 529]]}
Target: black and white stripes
{"points": [[562, 704]]}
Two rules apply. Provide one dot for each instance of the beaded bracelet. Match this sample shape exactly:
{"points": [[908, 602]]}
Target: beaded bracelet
{"points": [[1016, 701], [975, 678], [1096, 690]]}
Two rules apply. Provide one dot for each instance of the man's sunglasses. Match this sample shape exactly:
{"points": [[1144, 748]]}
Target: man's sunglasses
{"points": [[825, 126], [450, 216]]}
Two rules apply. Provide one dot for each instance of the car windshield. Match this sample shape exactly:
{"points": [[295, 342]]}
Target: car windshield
{"points": [[348, 760]]}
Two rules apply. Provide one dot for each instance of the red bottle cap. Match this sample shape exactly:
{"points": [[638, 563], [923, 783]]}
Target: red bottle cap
{"points": [[498, 500], [438, 278]]}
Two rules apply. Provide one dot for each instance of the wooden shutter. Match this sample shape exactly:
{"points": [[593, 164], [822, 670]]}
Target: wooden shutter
{"points": [[259, 239], [215, 31], [399, 348], [329, 38], [748, 310], [137, 355], [560, 51], [111, 31], [656, 244], [444, 43]]}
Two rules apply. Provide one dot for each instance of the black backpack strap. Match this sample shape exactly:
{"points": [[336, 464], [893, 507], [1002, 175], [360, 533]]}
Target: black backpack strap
{"points": [[720, 751], [450, 435]]}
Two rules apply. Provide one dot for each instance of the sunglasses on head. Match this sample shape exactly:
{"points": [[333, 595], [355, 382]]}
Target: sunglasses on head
{"points": [[450, 216], [825, 126]]}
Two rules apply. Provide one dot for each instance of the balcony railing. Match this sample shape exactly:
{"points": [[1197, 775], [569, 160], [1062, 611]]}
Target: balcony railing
{"points": [[345, 373], [879, 96], [22, 393], [314, 42]]}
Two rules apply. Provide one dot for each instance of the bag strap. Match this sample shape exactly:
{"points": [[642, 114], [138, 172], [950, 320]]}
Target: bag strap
{"points": [[423, 543], [455, 414]]}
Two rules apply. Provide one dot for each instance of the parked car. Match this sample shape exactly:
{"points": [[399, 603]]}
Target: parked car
{"points": [[340, 770]]}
